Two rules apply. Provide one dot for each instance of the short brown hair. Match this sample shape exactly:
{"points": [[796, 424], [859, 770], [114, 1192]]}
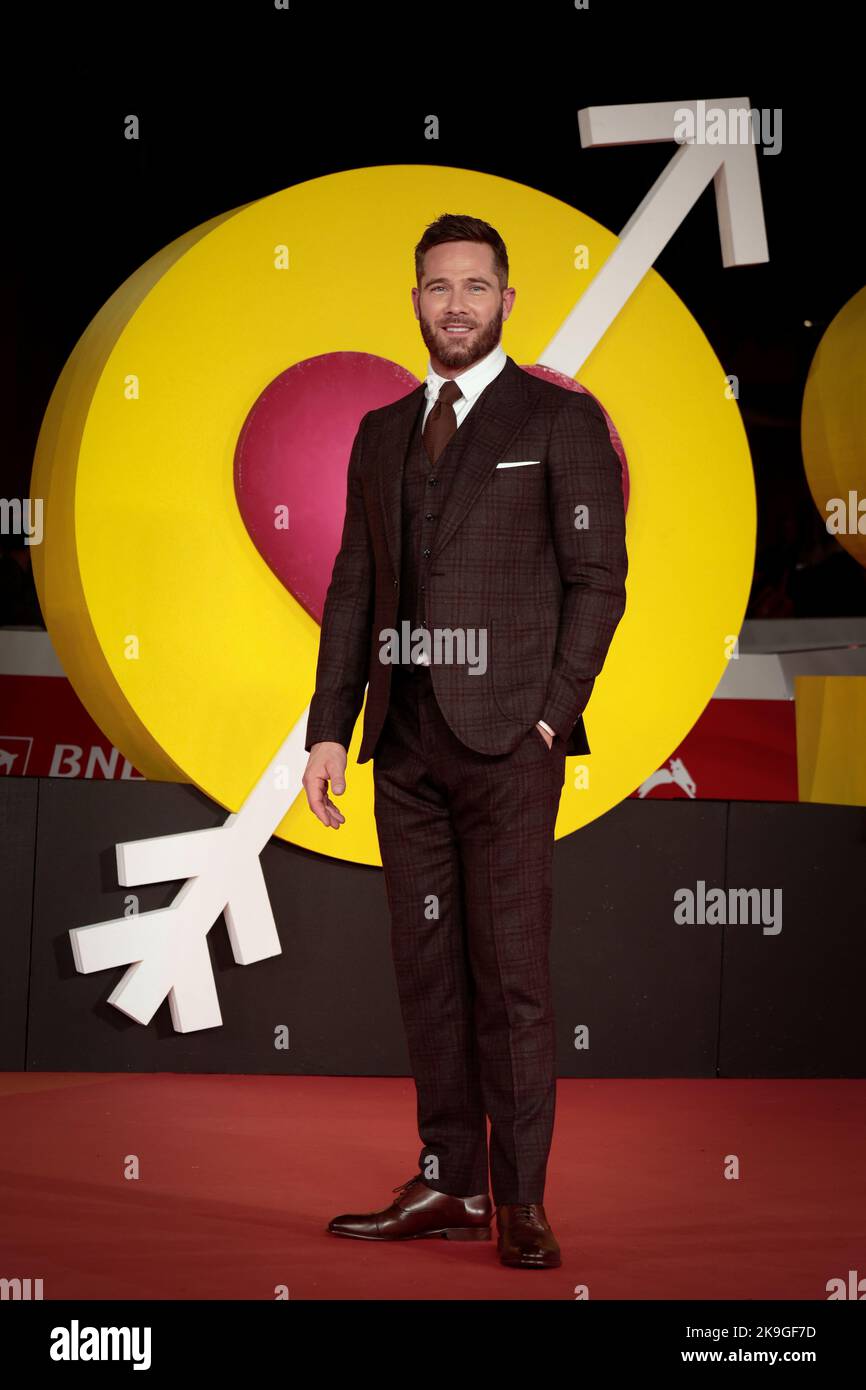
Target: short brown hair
{"points": [[452, 226]]}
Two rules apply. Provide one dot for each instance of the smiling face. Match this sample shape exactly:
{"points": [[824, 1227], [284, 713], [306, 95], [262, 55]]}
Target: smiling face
{"points": [[459, 305]]}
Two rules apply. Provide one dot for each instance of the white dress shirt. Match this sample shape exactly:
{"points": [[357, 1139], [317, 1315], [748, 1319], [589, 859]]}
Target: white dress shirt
{"points": [[471, 382]]}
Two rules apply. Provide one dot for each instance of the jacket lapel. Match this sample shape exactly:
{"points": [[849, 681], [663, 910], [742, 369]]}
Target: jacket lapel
{"points": [[391, 447], [481, 442]]}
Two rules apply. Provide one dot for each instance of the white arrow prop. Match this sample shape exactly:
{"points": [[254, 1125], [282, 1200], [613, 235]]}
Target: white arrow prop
{"points": [[223, 873], [654, 221], [167, 949]]}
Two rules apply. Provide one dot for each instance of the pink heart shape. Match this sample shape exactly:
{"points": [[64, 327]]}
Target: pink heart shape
{"points": [[293, 452]]}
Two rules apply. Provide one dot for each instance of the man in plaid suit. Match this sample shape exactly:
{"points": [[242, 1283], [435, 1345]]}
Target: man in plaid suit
{"points": [[479, 582]]}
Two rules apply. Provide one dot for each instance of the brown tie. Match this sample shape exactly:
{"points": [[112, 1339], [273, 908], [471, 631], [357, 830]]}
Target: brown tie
{"points": [[441, 422]]}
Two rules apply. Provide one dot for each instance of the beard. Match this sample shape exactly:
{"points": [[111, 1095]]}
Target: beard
{"points": [[462, 351]]}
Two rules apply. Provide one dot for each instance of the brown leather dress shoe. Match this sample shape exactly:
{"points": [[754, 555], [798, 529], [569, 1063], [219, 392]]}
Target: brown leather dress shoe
{"points": [[525, 1238], [417, 1212]]}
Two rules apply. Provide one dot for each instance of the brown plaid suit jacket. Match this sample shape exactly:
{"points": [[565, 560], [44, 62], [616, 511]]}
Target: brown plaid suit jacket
{"points": [[507, 558]]}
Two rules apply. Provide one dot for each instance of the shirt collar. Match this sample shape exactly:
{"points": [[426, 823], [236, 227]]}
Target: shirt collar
{"points": [[471, 382]]}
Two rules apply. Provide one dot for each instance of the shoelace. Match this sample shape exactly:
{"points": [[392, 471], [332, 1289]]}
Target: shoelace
{"points": [[525, 1211], [404, 1185]]}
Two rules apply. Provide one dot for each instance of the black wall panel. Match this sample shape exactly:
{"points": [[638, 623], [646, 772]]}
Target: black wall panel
{"points": [[647, 988], [792, 1003], [18, 803], [658, 997]]}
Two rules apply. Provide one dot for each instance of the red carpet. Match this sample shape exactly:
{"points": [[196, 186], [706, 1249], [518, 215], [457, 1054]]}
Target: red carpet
{"points": [[239, 1176]]}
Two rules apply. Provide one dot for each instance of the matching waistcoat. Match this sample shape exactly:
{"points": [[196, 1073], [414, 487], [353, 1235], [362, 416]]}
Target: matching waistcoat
{"points": [[425, 487]]}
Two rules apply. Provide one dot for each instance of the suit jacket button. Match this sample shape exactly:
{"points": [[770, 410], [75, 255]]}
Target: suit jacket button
{"points": [[395, 584]]}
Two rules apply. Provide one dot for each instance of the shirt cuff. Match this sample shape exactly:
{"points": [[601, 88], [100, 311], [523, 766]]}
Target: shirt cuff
{"points": [[552, 732]]}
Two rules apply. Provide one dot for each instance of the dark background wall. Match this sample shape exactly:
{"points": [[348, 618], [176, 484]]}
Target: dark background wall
{"points": [[658, 998], [97, 205]]}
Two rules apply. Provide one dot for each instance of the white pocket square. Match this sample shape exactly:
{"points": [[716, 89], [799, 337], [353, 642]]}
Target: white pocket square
{"points": [[527, 463]]}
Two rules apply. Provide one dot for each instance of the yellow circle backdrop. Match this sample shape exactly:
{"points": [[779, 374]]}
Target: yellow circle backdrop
{"points": [[833, 422], [178, 638]]}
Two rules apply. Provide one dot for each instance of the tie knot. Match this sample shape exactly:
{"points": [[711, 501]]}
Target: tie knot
{"points": [[449, 393]]}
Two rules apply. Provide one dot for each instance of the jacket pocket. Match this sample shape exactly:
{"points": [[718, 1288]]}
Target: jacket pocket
{"points": [[521, 659], [535, 730]]}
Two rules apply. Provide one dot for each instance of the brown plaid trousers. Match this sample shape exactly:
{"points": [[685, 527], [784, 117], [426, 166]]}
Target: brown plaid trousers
{"points": [[466, 790]]}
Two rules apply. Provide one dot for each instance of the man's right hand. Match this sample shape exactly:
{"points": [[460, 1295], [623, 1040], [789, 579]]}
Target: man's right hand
{"points": [[327, 763]]}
